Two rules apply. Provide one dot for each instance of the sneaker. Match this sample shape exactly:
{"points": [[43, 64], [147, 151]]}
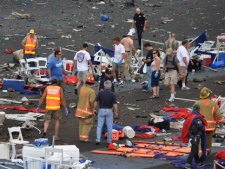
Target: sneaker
{"points": [[200, 165], [185, 88], [187, 166], [171, 99], [121, 84], [114, 81]]}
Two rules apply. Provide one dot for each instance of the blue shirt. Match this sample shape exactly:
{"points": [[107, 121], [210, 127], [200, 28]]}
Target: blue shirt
{"points": [[106, 99], [56, 68], [51, 57]]}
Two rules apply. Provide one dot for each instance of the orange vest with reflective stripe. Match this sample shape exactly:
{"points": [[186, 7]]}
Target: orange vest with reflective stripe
{"points": [[30, 45], [53, 98], [86, 102], [210, 110]]}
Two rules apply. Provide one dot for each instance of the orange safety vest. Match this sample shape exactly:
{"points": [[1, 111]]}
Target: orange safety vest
{"points": [[30, 45], [53, 98]]}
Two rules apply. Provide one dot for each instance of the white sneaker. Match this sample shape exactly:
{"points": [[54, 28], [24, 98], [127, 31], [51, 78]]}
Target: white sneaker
{"points": [[114, 81], [185, 88], [171, 99], [120, 83]]}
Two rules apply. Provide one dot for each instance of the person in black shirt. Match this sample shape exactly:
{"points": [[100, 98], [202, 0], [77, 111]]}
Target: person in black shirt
{"points": [[140, 22], [108, 76], [107, 101], [148, 61]]}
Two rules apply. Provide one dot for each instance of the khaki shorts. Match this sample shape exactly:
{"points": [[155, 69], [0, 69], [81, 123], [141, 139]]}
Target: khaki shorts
{"points": [[183, 71], [127, 58], [171, 77], [119, 68], [53, 114], [82, 75]]}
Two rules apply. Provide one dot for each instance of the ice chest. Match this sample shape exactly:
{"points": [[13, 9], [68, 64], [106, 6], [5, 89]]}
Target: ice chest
{"points": [[15, 84], [207, 59], [217, 64]]}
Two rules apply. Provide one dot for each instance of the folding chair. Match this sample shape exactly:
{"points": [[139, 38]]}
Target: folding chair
{"points": [[36, 67], [42, 64], [23, 65], [68, 65], [18, 140]]}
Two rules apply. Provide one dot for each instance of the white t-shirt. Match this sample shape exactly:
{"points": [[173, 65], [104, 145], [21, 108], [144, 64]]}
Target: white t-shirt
{"points": [[119, 50], [182, 53], [82, 58]]}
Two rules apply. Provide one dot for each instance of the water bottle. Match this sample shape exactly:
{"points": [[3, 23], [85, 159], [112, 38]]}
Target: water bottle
{"points": [[41, 142]]}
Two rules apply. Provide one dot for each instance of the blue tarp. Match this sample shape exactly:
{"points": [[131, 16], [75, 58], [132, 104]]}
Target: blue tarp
{"points": [[106, 50]]}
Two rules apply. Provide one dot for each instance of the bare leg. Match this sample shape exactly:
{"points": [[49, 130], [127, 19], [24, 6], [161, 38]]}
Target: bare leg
{"points": [[46, 124], [122, 76], [154, 91], [78, 84], [114, 74], [57, 125], [157, 91], [172, 89]]}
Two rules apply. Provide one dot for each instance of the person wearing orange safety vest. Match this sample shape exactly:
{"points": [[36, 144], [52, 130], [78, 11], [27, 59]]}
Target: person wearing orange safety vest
{"points": [[30, 44], [54, 97], [85, 107], [211, 111]]}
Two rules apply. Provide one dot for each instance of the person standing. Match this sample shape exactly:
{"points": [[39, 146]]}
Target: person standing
{"points": [[211, 111], [184, 59], [54, 97], [85, 107], [55, 68], [171, 66], [128, 44], [194, 131], [148, 61], [30, 44], [171, 43], [155, 69], [140, 22], [52, 55], [118, 60], [107, 101], [108, 76], [81, 61]]}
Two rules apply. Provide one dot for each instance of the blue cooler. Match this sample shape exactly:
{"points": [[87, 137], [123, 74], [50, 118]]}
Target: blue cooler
{"points": [[15, 84], [217, 64], [222, 57]]}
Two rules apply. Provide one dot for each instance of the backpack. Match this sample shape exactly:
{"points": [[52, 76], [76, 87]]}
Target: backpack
{"points": [[174, 63]]}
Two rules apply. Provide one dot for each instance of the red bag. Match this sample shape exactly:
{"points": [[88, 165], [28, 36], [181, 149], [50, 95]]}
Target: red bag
{"points": [[71, 80]]}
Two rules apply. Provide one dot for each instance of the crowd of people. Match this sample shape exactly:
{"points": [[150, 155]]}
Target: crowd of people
{"points": [[174, 71]]}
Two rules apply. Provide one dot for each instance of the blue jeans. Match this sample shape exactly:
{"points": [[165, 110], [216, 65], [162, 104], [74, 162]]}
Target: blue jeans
{"points": [[149, 73], [105, 115]]}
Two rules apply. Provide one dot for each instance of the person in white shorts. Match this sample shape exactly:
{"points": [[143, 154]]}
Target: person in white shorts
{"points": [[81, 61]]}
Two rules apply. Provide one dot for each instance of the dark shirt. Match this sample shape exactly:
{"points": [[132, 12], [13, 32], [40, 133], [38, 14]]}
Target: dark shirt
{"points": [[149, 56], [139, 20], [197, 128], [101, 86], [106, 99]]}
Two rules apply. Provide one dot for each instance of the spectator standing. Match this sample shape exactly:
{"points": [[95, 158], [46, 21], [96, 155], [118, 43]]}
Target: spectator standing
{"points": [[118, 60], [128, 44], [184, 59], [81, 61], [171, 66], [148, 60], [55, 68], [106, 100], [140, 21], [155, 68]]}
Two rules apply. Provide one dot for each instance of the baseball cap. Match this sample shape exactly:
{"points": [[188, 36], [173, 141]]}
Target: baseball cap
{"points": [[169, 51], [32, 31], [196, 107], [108, 71]]}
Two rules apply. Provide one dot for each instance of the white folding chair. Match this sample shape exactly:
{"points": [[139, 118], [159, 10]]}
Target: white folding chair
{"points": [[53, 156], [68, 65], [36, 67], [23, 65], [42, 64], [15, 141], [4, 147]]}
